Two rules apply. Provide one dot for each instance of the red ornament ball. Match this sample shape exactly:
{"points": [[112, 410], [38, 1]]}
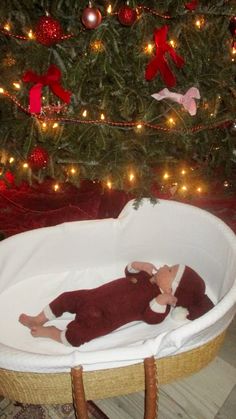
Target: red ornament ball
{"points": [[232, 26], [38, 158], [127, 16], [48, 31], [91, 17]]}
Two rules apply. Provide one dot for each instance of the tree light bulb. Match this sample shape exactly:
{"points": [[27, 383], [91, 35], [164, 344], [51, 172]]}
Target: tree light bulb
{"points": [[56, 187], [25, 165], [97, 45], [139, 126], [30, 34], [173, 43], [55, 125], [131, 177], [7, 27], [109, 9], [171, 122], [1, 90], [166, 176], [184, 188], [183, 172], [199, 22], [16, 85], [148, 48], [102, 116], [84, 114], [44, 125], [199, 189], [72, 171], [11, 159], [109, 184]]}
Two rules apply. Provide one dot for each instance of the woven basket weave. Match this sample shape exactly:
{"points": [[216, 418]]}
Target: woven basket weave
{"points": [[55, 388]]}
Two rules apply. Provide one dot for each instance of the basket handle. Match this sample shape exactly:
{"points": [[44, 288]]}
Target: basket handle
{"points": [[151, 391]]}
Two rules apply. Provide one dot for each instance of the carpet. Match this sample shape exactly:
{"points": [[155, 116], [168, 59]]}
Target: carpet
{"points": [[14, 410]]}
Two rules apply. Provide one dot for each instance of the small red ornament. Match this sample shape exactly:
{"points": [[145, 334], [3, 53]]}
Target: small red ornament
{"points": [[38, 158], [127, 16], [48, 31], [91, 17], [191, 5], [232, 26], [9, 177]]}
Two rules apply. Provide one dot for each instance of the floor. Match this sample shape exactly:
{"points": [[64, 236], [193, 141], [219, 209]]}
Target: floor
{"points": [[209, 394]]}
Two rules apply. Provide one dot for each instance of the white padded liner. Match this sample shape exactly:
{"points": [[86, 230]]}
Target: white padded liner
{"points": [[38, 265]]}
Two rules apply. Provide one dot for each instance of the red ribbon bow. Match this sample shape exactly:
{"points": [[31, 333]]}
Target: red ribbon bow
{"points": [[52, 79], [159, 62]]}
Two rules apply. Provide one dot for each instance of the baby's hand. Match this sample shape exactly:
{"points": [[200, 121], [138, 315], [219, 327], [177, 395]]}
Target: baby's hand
{"points": [[164, 299], [144, 266]]}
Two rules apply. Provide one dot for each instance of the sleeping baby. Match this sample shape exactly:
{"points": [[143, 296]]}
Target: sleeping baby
{"points": [[145, 293]]}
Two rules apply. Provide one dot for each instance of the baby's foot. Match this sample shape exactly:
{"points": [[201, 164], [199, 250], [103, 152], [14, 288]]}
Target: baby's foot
{"points": [[46, 332], [30, 321]]}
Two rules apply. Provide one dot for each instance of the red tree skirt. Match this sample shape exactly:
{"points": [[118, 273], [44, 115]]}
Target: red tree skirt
{"points": [[25, 208]]}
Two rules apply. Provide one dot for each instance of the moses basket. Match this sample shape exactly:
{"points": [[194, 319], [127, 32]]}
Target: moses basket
{"points": [[37, 265]]}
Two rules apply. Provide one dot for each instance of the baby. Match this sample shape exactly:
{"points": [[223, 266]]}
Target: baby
{"points": [[144, 294]]}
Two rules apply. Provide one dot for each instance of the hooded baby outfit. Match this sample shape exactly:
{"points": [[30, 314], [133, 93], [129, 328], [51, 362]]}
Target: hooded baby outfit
{"points": [[101, 310]]}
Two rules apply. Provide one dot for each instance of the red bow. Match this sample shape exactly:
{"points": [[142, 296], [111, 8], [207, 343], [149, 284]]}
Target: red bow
{"points": [[159, 62], [52, 79]]}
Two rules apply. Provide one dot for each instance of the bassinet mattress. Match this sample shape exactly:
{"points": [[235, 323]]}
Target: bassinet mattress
{"points": [[38, 265]]}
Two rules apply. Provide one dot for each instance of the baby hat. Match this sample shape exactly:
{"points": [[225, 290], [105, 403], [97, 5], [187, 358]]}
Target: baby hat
{"points": [[189, 288]]}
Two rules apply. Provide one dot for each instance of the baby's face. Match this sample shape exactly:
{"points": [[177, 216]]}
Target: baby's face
{"points": [[165, 277]]}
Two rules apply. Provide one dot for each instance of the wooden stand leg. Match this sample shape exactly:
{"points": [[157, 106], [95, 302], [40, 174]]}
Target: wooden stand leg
{"points": [[151, 392], [151, 389], [78, 393]]}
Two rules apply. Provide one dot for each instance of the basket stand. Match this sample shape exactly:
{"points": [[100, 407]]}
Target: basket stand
{"points": [[151, 392]]}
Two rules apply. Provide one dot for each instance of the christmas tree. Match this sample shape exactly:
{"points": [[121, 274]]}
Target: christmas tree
{"points": [[130, 94]]}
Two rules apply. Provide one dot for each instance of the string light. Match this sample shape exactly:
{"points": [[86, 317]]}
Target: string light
{"points": [[56, 187], [199, 189], [148, 48], [97, 46], [173, 43], [7, 27], [55, 125], [30, 34], [166, 176], [171, 122], [11, 160], [183, 172], [139, 126], [102, 116], [131, 176], [109, 184], [84, 114], [184, 188], [233, 51], [199, 22], [1, 90], [25, 165], [226, 184], [16, 85], [109, 9], [72, 171]]}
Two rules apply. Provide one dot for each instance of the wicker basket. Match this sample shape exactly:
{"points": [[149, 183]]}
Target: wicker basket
{"points": [[55, 388]]}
